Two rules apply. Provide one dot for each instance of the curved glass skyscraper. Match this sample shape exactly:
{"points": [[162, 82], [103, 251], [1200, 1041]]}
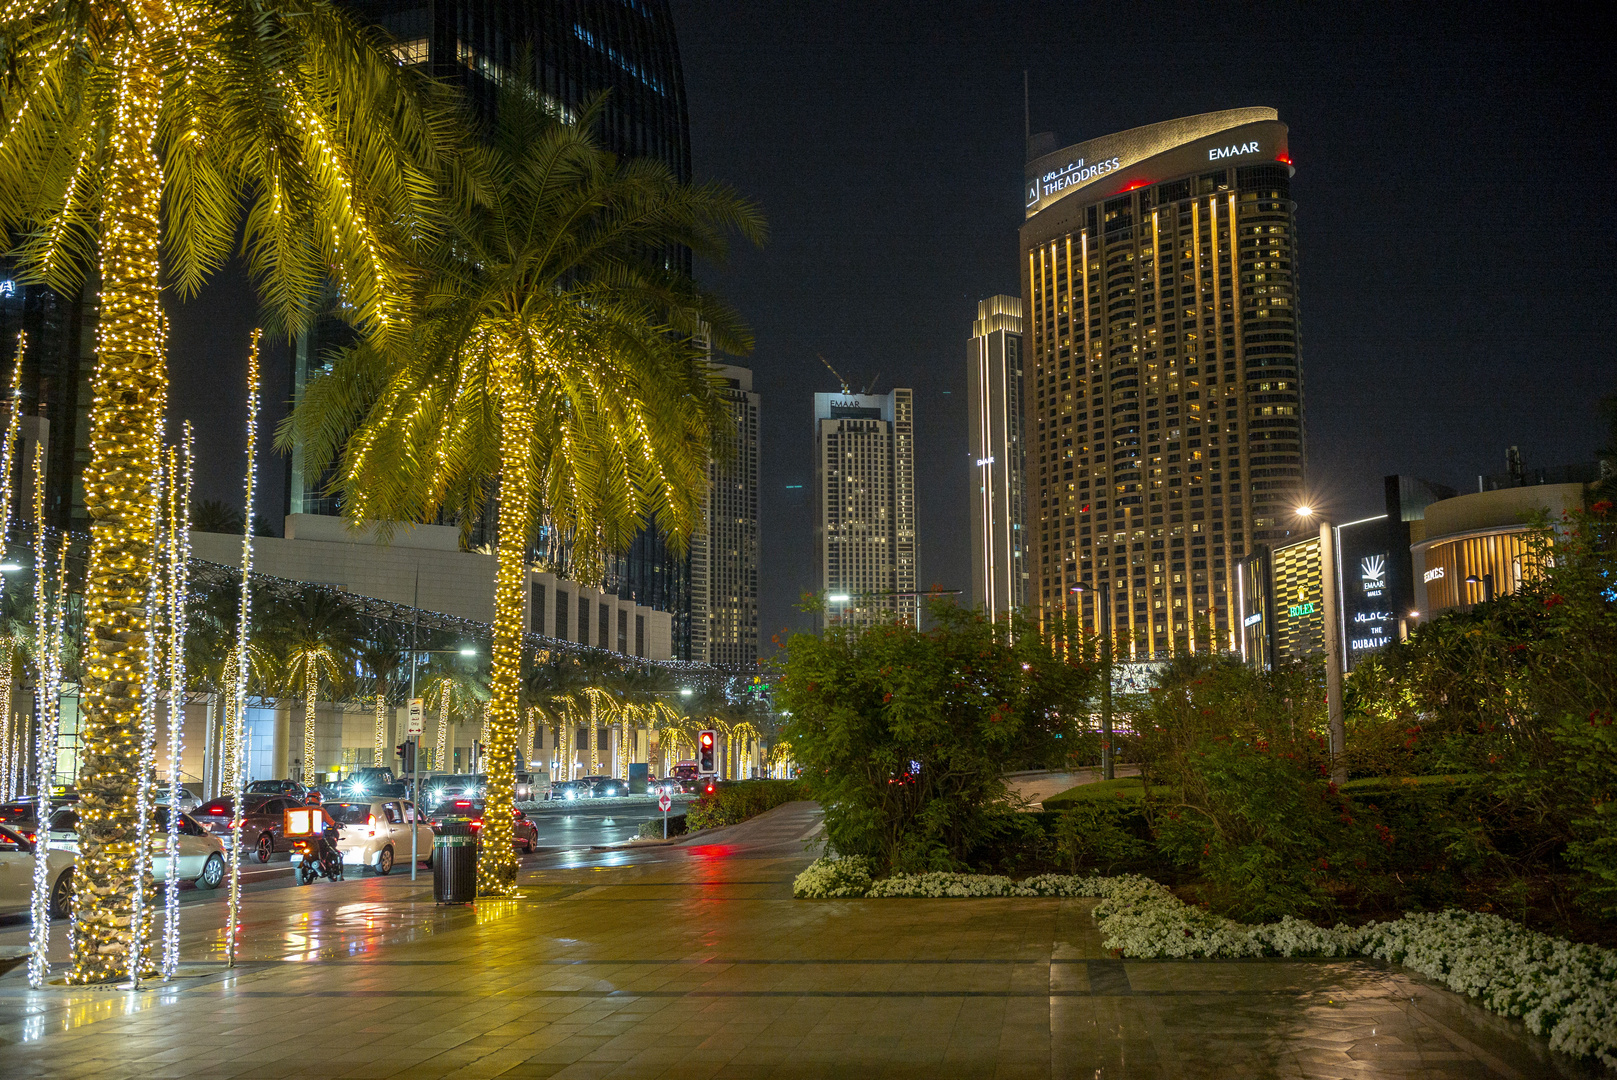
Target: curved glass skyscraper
{"points": [[1163, 390]]}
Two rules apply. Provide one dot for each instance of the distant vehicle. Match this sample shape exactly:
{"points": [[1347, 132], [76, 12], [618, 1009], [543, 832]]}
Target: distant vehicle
{"points": [[202, 856], [372, 780], [686, 772], [376, 832], [452, 786], [22, 815], [277, 787], [670, 785], [17, 875], [568, 790], [187, 800], [263, 828], [525, 834], [605, 787]]}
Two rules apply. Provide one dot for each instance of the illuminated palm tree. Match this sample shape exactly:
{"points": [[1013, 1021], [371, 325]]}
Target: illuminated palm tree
{"points": [[555, 367], [381, 656], [317, 636], [455, 692], [140, 138]]}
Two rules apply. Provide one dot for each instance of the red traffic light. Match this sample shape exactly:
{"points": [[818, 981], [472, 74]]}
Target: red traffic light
{"points": [[707, 738]]}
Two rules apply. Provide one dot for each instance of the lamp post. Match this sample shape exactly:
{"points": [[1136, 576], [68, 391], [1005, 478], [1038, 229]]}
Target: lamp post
{"points": [[415, 757], [1333, 646], [1486, 581], [1103, 623]]}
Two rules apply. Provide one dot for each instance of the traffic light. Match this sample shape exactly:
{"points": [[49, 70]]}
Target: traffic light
{"points": [[405, 752], [707, 753]]}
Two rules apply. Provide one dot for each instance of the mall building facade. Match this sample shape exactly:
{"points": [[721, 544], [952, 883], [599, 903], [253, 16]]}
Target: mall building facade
{"points": [[1162, 381]]}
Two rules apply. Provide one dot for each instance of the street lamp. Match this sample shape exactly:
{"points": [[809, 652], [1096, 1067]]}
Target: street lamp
{"points": [[1333, 649], [9, 567], [1486, 581], [1103, 623]]}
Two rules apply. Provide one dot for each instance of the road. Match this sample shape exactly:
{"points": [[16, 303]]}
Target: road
{"points": [[564, 827]]}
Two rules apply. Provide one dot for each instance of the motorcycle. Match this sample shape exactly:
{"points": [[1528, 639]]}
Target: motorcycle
{"points": [[318, 856]]}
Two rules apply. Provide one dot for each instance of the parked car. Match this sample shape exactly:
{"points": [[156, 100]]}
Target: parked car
{"points": [[263, 827], [375, 833], [202, 856], [17, 875], [278, 787], [186, 799], [525, 834], [22, 815], [605, 787]]}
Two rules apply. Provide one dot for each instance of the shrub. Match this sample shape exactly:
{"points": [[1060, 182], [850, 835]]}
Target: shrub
{"points": [[903, 735], [1101, 833], [737, 801], [653, 829], [828, 878]]}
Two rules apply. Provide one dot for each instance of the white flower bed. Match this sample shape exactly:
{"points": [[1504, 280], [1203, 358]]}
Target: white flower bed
{"points": [[1560, 989]]}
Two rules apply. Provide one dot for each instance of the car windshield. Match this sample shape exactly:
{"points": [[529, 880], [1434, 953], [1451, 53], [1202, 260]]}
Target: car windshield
{"points": [[18, 811], [459, 808], [349, 813]]}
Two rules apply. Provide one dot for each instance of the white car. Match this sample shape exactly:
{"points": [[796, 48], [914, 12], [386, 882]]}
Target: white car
{"points": [[188, 799], [202, 855], [17, 876], [376, 832]]}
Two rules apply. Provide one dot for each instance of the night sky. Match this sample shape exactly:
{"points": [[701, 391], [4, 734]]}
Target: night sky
{"points": [[1456, 276]]}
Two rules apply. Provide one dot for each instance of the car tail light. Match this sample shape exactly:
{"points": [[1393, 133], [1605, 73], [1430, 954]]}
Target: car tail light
{"points": [[477, 823], [216, 809], [370, 825]]}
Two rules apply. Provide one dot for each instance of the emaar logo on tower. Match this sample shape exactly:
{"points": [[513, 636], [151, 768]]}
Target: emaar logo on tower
{"points": [[1219, 153]]}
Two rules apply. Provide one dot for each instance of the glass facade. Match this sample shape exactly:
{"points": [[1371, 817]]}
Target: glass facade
{"points": [[1162, 380]]}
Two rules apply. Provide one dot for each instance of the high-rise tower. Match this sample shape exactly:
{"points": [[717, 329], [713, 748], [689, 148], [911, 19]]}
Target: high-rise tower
{"points": [[864, 505], [1163, 385], [994, 406], [724, 552]]}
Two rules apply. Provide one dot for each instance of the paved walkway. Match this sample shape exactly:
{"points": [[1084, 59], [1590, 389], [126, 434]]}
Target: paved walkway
{"points": [[692, 961]]}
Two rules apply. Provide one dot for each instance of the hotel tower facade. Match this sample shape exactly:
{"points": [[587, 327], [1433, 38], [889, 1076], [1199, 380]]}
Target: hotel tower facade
{"points": [[1163, 384]]}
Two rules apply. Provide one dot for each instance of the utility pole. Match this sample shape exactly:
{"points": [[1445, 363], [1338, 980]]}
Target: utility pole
{"points": [[1106, 767], [1333, 653]]}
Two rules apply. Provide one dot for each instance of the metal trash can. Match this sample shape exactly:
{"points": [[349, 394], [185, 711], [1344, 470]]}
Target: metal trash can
{"points": [[454, 863]]}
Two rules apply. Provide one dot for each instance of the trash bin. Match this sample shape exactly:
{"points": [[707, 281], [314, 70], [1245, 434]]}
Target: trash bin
{"points": [[454, 863]]}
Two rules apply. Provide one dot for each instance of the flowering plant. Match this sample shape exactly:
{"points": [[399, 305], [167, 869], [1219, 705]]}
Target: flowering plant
{"points": [[1559, 988]]}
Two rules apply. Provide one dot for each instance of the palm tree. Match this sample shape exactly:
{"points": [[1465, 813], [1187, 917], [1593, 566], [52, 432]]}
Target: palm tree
{"points": [[382, 657], [138, 139], [317, 636], [555, 366], [455, 692]]}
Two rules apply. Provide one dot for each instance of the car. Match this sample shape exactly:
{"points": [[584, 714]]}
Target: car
{"points": [[263, 827], [568, 790], [438, 789], [17, 875], [375, 833], [202, 856], [293, 788], [525, 834], [605, 787], [670, 785], [187, 800], [22, 815]]}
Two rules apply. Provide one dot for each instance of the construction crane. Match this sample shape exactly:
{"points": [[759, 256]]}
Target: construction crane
{"points": [[866, 391]]}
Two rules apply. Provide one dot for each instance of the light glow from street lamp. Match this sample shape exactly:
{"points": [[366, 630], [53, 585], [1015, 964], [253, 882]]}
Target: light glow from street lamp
{"points": [[838, 598], [468, 651], [1305, 511]]}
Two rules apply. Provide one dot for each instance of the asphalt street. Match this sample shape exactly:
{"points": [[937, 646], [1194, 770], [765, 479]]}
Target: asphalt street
{"points": [[566, 829]]}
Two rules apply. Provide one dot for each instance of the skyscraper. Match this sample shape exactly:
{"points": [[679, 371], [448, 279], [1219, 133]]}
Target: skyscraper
{"points": [[994, 406], [575, 51], [724, 553], [864, 505], [1164, 416]]}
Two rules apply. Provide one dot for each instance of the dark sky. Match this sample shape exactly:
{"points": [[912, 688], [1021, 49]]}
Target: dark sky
{"points": [[1456, 271]]}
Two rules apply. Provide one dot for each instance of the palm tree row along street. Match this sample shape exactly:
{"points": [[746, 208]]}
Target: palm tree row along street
{"points": [[522, 351]]}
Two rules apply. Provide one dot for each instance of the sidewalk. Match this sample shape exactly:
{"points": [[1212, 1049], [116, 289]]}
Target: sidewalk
{"points": [[694, 962]]}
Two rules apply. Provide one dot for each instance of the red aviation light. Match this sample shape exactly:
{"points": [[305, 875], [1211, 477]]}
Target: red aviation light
{"points": [[1137, 185], [1284, 159]]}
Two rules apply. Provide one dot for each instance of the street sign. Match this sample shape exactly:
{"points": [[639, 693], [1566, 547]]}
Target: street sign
{"points": [[664, 803], [417, 719]]}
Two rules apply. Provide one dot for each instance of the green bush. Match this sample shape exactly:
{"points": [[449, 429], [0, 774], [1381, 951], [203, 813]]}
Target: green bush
{"points": [[1103, 834], [903, 735], [653, 829], [1126, 787], [733, 802]]}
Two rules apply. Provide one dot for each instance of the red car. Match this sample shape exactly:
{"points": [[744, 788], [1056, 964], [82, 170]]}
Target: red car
{"points": [[525, 834]]}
